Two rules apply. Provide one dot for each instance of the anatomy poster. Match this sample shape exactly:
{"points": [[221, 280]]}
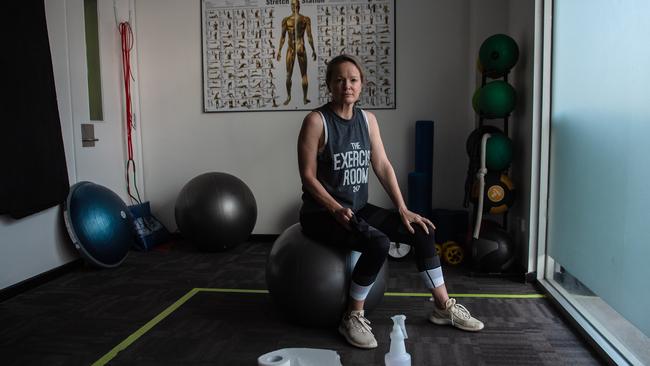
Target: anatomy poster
{"points": [[268, 55]]}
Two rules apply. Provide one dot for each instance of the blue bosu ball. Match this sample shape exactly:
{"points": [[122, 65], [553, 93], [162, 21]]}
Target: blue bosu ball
{"points": [[99, 224]]}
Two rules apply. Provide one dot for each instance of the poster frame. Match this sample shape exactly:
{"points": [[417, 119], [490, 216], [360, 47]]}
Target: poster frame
{"points": [[316, 76]]}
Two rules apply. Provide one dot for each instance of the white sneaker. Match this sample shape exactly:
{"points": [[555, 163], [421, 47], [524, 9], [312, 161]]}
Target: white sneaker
{"points": [[456, 315], [356, 330]]}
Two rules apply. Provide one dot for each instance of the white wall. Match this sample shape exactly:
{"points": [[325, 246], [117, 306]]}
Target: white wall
{"points": [[180, 141], [33, 245]]}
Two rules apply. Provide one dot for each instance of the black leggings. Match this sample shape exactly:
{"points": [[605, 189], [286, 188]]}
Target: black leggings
{"points": [[373, 228]]}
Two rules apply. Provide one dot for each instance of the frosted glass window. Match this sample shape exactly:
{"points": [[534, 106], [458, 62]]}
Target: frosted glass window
{"points": [[599, 176]]}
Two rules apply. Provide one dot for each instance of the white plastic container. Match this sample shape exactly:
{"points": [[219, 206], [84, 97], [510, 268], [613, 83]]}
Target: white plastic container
{"points": [[300, 357]]}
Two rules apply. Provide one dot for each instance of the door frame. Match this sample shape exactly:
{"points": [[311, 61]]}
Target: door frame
{"points": [[105, 163]]}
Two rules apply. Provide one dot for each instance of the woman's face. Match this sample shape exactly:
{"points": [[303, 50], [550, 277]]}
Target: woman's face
{"points": [[345, 83]]}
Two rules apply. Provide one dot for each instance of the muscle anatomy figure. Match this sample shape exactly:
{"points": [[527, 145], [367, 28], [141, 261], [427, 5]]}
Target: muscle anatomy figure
{"points": [[295, 26]]}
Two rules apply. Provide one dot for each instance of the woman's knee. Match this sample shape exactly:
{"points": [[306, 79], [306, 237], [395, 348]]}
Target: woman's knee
{"points": [[423, 236], [374, 241], [377, 246], [381, 245], [424, 244]]}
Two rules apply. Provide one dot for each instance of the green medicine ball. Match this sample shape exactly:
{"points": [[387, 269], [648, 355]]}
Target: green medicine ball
{"points": [[475, 98], [496, 99], [498, 152], [497, 55]]}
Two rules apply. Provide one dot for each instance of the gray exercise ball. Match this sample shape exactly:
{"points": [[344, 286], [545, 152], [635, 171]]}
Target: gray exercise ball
{"points": [[215, 211], [309, 281]]}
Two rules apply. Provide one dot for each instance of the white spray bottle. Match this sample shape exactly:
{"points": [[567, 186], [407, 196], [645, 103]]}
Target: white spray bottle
{"points": [[397, 355]]}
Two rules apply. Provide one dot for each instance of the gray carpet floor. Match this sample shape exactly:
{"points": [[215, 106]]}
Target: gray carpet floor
{"points": [[145, 312]]}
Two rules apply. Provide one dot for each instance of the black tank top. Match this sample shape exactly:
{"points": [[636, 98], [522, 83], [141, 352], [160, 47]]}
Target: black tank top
{"points": [[342, 166]]}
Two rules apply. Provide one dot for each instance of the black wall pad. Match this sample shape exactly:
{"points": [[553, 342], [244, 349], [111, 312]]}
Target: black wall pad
{"points": [[35, 176]]}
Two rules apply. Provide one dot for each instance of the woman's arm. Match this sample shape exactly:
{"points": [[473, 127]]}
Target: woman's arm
{"points": [[386, 174], [310, 140]]}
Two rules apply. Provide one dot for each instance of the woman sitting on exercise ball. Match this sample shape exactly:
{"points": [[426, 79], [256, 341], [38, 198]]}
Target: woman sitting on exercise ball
{"points": [[337, 144]]}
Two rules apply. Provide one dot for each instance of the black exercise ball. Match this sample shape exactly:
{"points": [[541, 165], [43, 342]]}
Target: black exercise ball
{"points": [[499, 193], [215, 211], [493, 251], [309, 281], [473, 143]]}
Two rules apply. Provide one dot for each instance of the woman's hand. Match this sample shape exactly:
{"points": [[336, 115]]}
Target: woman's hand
{"points": [[343, 216], [410, 218]]}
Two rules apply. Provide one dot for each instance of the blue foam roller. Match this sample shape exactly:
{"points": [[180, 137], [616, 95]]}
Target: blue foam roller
{"points": [[419, 193], [424, 147]]}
